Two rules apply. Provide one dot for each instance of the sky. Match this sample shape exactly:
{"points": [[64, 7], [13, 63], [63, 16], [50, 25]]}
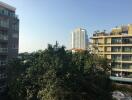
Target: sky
{"points": [[46, 21]]}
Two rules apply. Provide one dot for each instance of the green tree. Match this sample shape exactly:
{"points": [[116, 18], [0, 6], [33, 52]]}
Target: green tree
{"points": [[58, 74]]}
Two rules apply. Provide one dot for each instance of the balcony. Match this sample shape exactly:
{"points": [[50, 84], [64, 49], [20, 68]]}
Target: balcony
{"points": [[3, 62], [117, 59], [127, 49], [121, 70], [116, 50], [121, 79], [3, 76], [127, 59], [2, 88], [116, 41], [3, 37], [118, 66], [7, 13], [127, 41], [107, 43], [3, 50]]}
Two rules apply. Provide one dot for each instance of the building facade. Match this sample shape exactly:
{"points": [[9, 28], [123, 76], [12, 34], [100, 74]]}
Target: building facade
{"points": [[79, 39], [9, 37], [116, 46]]}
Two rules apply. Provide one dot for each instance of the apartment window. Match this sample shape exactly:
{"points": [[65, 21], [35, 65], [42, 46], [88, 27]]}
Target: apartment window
{"points": [[96, 41], [116, 41], [1, 11], [116, 57], [117, 65], [11, 14], [2, 83], [116, 49], [127, 49], [127, 40], [127, 66], [15, 46], [3, 35], [4, 23], [15, 26], [15, 35], [6, 12], [3, 62], [127, 57]]}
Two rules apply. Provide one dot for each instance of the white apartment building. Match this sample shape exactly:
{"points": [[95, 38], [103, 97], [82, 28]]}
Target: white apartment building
{"points": [[79, 39]]}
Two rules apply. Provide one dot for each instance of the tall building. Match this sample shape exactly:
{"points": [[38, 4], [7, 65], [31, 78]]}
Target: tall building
{"points": [[79, 39], [9, 37], [117, 46]]}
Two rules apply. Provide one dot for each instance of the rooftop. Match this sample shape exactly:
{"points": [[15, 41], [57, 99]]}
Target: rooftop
{"points": [[2, 4]]}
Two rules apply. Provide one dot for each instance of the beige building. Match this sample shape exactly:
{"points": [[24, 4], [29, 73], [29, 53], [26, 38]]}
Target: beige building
{"points": [[116, 46]]}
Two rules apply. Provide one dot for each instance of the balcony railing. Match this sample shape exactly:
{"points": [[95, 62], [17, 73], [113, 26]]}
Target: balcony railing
{"points": [[121, 79], [126, 67], [116, 50], [117, 66], [3, 62], [107, 43], [3, 50], [11, 15], [127, 50], [3, 37], [3, 76], [117, 59], [127, 59]]}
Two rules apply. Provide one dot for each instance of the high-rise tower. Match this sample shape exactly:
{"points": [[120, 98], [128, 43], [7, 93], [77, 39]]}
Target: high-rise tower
{"points": [[79, 39], [9, 37]]}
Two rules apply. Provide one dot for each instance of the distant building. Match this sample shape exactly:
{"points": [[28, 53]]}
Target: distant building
{"points": [[9, 37], [79, 39], [117, 46]]}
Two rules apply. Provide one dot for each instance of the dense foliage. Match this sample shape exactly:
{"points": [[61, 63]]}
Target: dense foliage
{"points": [[57, 74]]}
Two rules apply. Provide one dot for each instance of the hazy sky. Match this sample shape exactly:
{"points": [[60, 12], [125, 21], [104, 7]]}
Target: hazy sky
{"points": [[45, 21]]}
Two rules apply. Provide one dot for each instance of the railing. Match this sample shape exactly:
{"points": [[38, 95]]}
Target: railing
{"points": [[3, 76], [116, 42], [3, 50], [117, 59], [126, 59], [107, 42], [3, 37], [116, 50], [121, 79], [127, 51], [3, 62], [117, 67], [2, 88], [13, 15], [127, 67]]}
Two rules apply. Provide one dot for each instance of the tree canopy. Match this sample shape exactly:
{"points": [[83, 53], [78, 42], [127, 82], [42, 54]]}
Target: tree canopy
{"points": [[59, 74]]}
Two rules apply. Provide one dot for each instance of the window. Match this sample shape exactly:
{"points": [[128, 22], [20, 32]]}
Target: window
{"points": [[15, 35], [4, 23], [116, 40], [15, 46]]}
